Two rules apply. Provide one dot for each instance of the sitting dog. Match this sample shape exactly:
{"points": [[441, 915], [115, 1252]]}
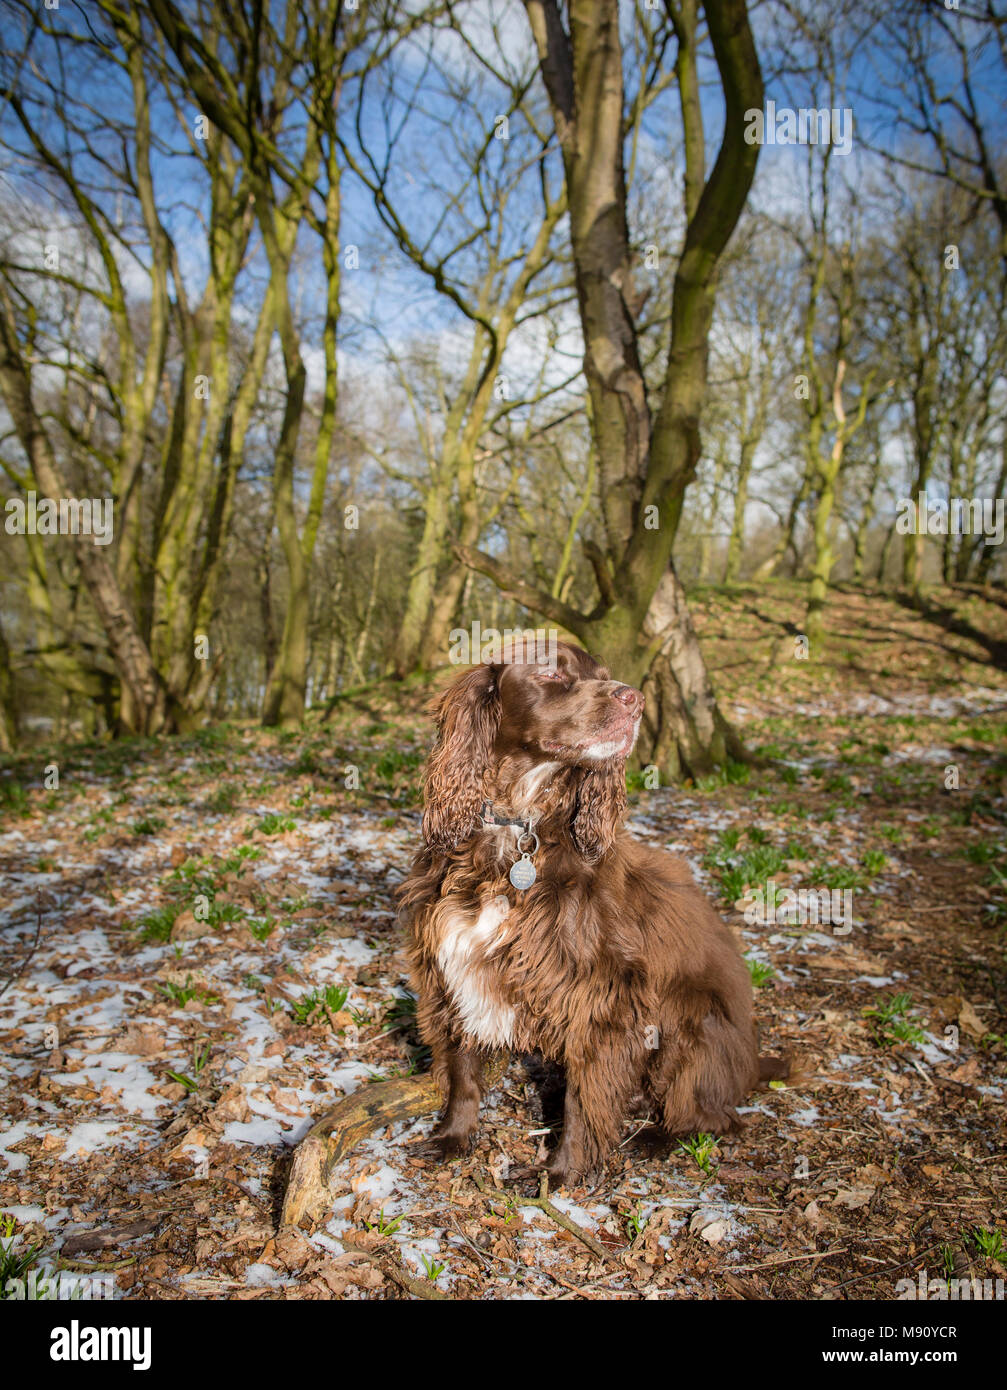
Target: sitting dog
{"points": [[537, 924]]}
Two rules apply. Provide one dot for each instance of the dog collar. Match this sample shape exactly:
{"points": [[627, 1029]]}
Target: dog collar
{"points": [[490, 817], [522, 872]]}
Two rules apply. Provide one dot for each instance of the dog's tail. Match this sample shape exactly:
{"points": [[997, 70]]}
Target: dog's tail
{"points": [[774, 1068]]}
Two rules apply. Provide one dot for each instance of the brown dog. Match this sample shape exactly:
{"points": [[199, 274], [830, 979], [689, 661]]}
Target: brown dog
{"points": [[611, 962]]}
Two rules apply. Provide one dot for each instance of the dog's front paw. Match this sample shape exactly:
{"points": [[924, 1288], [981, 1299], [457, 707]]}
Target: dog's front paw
{"points": [[443, 1147]]}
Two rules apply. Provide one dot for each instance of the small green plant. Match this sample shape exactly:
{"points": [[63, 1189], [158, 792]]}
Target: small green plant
{"points": [[261, 928], [983, 852], [383, 1226], [432, 1269], [636, 1223], [840, 876], [749, 870], [731, 774], [721, 850], [13, 799], [307, 762], [156, 925], [699, 1148], [224, 798], [988, 1243], [148, 825], [179, 994], [760, 972], [400, 1011], [200, 1057], [873, 861], [14, 1264], [894, 1022], [319, 1004], [892, 833], [273, 824]]}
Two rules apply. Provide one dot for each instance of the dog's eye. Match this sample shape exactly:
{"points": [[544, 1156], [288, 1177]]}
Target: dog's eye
{"points": [[548, 674]]}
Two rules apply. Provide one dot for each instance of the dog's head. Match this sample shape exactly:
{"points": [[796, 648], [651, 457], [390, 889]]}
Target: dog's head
{"points": [[563, 711]]}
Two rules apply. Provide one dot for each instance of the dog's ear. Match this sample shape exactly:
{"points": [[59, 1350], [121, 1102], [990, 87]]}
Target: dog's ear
{"points": [[468, 716], [599, 809]]}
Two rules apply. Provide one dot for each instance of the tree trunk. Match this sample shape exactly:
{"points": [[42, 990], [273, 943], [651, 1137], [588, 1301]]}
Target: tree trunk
{"points": [[9, 730], [684, 732], [737, 538], [645, 464], [146, 707]]}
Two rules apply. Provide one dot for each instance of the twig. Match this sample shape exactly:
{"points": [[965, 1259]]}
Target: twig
{"points": [[34, 947], [893, 1269], [543, 1204], [392, 1266], [792, 1259]]}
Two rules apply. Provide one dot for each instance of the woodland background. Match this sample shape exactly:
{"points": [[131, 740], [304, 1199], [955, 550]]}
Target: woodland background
{"points": [[375, 321]]}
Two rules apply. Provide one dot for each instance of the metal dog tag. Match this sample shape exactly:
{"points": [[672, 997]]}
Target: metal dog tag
{"points": [[522, 872]]}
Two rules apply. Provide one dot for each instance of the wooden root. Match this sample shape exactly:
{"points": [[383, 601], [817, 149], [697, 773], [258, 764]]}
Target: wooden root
{"points": [[341, 1129]]}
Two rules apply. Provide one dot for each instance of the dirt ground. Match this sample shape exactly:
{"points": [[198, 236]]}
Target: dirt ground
{"points": [[199, 954]]}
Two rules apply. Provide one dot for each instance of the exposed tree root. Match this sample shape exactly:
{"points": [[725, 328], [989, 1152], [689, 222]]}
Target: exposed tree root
{"points": [[341, 1129]]}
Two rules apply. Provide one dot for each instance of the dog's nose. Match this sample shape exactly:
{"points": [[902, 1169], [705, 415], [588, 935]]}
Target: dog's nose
{"points": [[629, 697]]}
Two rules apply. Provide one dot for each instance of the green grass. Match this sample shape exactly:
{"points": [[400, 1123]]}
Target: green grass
{"points": [[319, 1005], [700, 1147], [156, 925], [894, 1022], [636, 1223], [273, 824], [224, 798], [13, 799], [401, 1010], [737, 869], [14, 1264], [760, 972], [984, 852], [148, 825], [384, 1226], [839, 876], [200, 1057], [989, 1243], [730, 774], [181, 994]]}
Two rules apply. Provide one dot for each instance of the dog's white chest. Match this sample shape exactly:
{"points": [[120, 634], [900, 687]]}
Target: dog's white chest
{"points": [[465, 942]]}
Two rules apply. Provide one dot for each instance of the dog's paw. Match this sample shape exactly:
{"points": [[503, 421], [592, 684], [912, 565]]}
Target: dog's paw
{"points": [[443, 1147]]}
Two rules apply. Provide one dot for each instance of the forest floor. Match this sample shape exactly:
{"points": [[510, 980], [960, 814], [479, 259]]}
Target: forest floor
{"points": [[159, 1068]]}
